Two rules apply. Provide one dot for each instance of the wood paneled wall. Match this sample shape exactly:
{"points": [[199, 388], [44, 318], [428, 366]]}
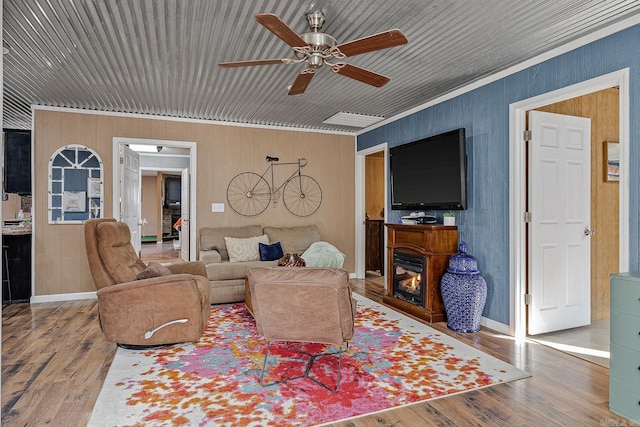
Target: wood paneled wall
{"points": [[603, 109], [222, 152], [11, 206], [150, 205], [374, 185]]}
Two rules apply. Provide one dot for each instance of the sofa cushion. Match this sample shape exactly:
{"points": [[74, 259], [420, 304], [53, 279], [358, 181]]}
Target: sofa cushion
{"points": [[209, 257], [270, 252], [234, 270], [245, 249], [154, 269], [213, 237], [294, 240]]}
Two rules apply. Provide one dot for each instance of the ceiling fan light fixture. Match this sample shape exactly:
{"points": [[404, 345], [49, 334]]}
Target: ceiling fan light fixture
{"points": [[315, 60], [355, 120]]}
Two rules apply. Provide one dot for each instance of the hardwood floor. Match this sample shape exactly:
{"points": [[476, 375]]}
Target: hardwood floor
{"points": [[55, 359], [162, 252]]}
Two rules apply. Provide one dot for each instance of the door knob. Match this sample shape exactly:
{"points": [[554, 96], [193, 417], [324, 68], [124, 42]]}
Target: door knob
{"points": [[588, 232]]}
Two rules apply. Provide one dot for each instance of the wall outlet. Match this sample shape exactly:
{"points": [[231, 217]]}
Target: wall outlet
{"points": [[217, 207]]}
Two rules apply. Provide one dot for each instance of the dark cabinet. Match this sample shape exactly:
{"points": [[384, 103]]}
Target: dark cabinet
{"points": [[374, 245], [18, 253], [17, 161]]}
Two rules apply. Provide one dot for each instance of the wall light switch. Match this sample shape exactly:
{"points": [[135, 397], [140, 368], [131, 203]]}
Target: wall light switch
{"points": [[217, 207]]}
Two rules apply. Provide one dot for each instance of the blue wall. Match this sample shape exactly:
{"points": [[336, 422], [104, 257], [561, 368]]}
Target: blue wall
{"points": [[484, 113]]}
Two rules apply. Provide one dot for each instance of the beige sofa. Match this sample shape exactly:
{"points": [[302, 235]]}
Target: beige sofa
{"points": [[228, 278]]}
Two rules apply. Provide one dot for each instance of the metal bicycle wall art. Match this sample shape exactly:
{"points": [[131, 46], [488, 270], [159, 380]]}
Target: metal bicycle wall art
{"points": [[249, 194]]}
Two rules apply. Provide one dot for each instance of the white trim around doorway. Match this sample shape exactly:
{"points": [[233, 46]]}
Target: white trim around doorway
{"points": [[518, 191], [117, 141], [360, 209]]}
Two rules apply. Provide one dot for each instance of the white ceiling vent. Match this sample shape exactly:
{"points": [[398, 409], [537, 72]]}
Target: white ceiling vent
{"points": [[352, 119]]}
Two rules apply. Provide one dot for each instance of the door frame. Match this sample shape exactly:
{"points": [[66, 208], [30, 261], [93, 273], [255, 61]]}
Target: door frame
{"points": [[117, 141], [162, 169], [360, 209], [518, 190]]}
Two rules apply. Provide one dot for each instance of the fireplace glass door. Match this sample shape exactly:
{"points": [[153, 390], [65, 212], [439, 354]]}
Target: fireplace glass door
{"points": [[408, 277]]}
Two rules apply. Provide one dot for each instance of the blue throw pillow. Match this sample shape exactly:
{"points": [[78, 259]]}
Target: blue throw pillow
{"points": [[270, 252]]}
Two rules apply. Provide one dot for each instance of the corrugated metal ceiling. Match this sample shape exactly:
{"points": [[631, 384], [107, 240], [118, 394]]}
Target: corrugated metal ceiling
{"points": [[160, 57]]}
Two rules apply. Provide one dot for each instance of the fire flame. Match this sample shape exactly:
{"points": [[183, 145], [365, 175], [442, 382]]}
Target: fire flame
{"points": [[411, 283]]}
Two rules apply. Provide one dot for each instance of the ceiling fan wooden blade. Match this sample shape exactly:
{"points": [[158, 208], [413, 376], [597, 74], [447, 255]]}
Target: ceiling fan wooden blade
{"points": [[253, 62], [379, 41], [272, 23], [360, 74], [302, 81]]}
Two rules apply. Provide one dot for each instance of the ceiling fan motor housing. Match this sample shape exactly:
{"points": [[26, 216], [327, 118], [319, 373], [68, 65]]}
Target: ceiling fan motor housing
{"points": [[320, 45], [315, 20], [319, 41]]}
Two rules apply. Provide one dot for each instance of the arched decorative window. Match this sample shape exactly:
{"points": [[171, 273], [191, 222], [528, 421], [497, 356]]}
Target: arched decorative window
{"points": [[75, 185]]}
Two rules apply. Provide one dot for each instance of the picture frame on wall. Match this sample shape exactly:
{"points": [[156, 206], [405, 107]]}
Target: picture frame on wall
{"points": [[611, 161], [74, 201], [94, 187]]}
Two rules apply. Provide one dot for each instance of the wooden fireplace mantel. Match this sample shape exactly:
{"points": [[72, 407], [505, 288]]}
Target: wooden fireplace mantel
{"points": [[437, 243]]}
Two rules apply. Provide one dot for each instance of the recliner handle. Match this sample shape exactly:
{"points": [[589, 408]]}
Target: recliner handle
{"points": [[150, 333]]}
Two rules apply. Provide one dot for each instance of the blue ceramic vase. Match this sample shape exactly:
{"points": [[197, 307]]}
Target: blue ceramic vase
{"points": [[464, 292]]}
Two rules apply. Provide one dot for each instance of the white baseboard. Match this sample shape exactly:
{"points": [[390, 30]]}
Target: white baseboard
{"points": [[63, 297], [496, 326], [491, 324]]}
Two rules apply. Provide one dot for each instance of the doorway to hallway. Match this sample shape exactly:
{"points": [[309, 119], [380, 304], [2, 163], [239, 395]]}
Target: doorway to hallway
{"points": [[164, 155]]}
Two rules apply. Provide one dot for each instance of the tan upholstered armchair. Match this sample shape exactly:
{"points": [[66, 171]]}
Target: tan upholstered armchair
{"points": [[300, 304], [169, 308]]}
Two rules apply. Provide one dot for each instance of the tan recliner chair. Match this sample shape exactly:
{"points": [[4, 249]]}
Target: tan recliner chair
{"points": [[166, 309], [300, 304]]}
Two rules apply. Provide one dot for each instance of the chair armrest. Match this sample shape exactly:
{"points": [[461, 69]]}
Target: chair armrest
{"points": [[191, 267], [210, 256], [129, 310]]}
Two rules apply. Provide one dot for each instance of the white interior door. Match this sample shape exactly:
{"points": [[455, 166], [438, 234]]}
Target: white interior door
{"points": [[559, 231], [130, 200], [184, 206]]}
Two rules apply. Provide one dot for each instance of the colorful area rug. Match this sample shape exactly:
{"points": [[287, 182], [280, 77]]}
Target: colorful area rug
{"points": [[392, 361]]}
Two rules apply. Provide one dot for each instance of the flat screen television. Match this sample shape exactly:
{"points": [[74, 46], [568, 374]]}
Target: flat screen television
{"points": [[429, 173], [173, 192]]}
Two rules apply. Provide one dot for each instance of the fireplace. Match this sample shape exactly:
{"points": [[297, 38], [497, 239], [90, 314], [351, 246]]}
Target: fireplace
{"points": [[174, 219], [408, 278], [418, 256]]}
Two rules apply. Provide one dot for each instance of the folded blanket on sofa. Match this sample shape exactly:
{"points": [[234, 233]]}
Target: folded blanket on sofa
{"points": [[323, 254]]}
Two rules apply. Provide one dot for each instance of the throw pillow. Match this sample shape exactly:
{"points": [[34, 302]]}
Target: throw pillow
{"points": [[244, 249], [270, 252], [154, 269]]}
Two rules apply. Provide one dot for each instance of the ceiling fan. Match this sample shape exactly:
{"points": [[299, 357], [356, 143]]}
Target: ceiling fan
{"points": [[316, 49]]}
